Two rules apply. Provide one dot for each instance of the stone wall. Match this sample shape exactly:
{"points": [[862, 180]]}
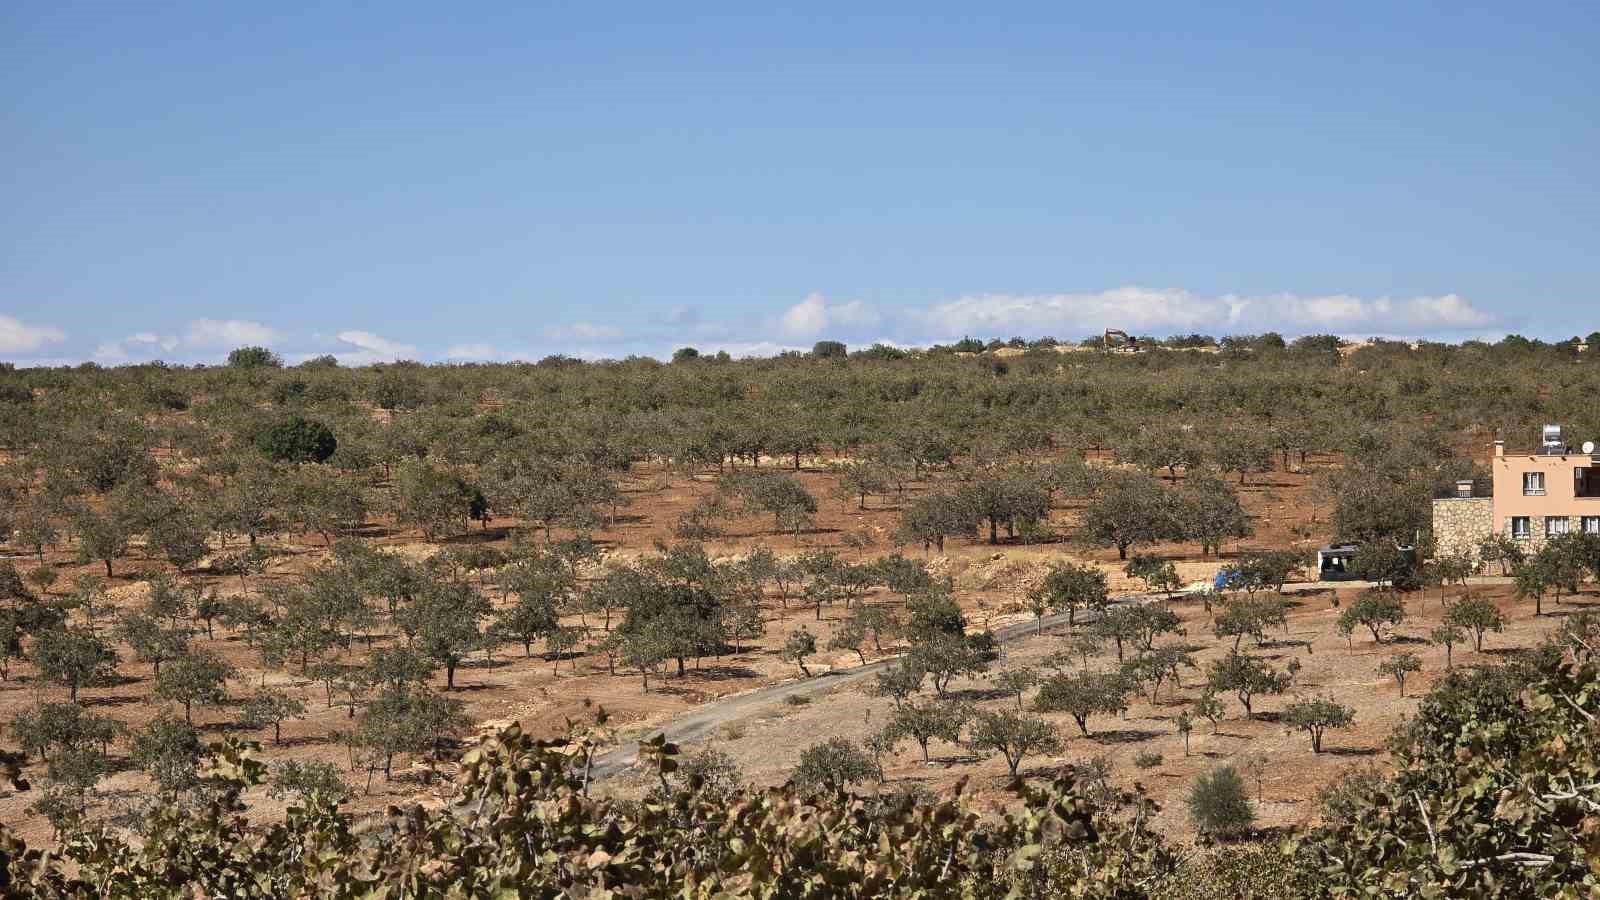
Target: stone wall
{"points": [[1461, 523]]}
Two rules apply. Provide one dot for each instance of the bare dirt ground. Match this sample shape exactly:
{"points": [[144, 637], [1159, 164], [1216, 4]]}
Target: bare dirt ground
{"points": [[765, 739], [543, 694]]}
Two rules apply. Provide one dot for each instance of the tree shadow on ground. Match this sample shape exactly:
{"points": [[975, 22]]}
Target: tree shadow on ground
{"points": [[979, 694], [1503, 652], [88, 702], [303, 740], [480, 536], [724, 673], [498, 662], [1350, 751], [1123, 736], [470, 688], [223, 728]]}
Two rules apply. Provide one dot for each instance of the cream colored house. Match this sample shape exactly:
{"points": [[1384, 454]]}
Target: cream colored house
{"points": [[1551, 491]]}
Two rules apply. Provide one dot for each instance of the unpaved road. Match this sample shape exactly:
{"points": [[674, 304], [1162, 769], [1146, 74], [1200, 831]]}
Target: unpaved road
{"points": [[705, 719]]}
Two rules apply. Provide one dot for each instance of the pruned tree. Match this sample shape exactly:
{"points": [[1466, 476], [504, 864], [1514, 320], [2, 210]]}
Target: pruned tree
{"points": [[444, 621], [1016, 682], [150, 641], [932, 518], [944, 657], [72, 658], [1151, 669], [1246, 677], [1209, 511], [1209, 706], [1082, 695], [1015, 736], [1130, 508], [925, 722], [1399, 666], [899, 682], [271, 707], [1477, 615], [196, 677], [799, 645], [1447, 636], [1158, 575], [1315, 717], [1069, 587], [1376, 610], [832, 765]]}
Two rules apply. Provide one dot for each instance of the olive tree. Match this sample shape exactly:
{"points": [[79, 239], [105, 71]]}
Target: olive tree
{"points": [[1013, 735], [1246, 677], [1399, 666], [1082, 695], [1315, 717], [832, 765], [1477, 615], [196, 677], [72, 657]]}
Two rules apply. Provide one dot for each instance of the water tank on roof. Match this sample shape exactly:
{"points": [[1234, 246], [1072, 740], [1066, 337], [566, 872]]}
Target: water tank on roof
{"points": [[1552, 439]]}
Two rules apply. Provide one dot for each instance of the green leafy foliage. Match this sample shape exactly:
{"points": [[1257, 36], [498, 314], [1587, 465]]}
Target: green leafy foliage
{"points": [[297, 440], [1219, 804]]}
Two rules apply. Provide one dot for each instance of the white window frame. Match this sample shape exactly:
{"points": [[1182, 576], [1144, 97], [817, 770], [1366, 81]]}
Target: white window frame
{"points": [[1533, 484], [1555, 526], [1526, 531], [1589, 524]]}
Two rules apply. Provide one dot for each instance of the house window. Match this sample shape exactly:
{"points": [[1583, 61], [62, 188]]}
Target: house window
{"points": [[1554, 525], [1533, 484], [1590, 524], [1520, 528], [1586, 481]]}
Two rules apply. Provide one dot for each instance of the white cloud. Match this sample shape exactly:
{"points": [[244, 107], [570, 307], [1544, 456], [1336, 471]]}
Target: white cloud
{"points": [[19, 337], [111, 353], [227, 333], [369, 348], [583, 331], [750, 349], [815, 315], [471, 352], [166, 342], [140, 347], [372, 343], [1166, 310]]}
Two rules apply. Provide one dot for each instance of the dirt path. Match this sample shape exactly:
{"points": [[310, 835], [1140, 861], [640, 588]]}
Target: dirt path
{"points": [[702, 721]]}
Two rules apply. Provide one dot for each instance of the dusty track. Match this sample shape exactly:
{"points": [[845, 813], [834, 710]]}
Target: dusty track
{"points": [[702, 721]]}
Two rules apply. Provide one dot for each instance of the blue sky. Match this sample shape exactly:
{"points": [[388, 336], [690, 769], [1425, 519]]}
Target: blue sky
{"points": [[440, 181]]}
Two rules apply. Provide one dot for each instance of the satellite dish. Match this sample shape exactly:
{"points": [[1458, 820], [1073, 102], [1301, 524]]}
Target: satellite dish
{"points": [[1588, 447]]}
